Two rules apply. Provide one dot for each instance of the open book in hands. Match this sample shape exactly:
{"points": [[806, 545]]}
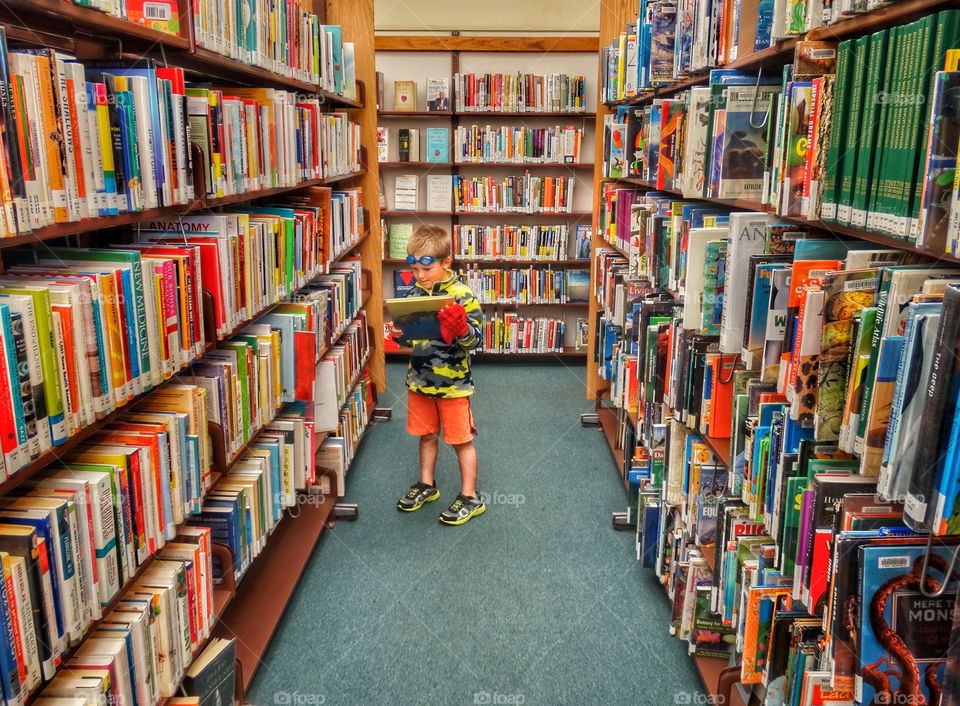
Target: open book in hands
{"points": [[416, 317]]}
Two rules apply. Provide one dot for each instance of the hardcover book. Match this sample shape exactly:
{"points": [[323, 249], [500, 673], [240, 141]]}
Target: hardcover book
{"points": [[405, 96]]}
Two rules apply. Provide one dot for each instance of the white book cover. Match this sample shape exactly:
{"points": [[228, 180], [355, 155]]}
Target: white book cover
{"points": [[439, 192], [694, 153], [746, 237], [696, 269]]}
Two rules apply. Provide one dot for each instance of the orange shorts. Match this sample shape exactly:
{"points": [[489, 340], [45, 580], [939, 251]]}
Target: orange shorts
{"points": [[425, 415]]}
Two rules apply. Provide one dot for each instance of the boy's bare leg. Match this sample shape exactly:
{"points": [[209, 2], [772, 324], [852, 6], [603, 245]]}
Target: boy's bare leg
{"points": [[428, 458], [467, 457]]}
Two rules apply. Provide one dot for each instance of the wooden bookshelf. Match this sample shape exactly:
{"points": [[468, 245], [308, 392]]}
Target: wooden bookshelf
{"points": [[608, 425], [86, 32]]}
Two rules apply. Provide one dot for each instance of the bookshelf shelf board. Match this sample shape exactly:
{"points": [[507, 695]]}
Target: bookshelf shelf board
{"points": [[343, 177], [415, 165], [338, 101], [613, 246], [500, 262], [783, 50], [516, 305], [346, 252], [608, 424], [436, 114], [527, 165], [709, 669], [262, 597], [415, 114], [486, 355], [499, 165], [832, 228], [388, 213], [709, 552], [720, 448], [88, 225]]}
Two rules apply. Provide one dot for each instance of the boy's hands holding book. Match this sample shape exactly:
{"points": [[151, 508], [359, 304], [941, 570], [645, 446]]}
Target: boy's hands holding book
{"points": [[453, 322], [393, 331]]}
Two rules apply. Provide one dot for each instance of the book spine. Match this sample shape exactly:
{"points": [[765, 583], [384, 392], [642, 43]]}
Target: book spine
{"points": [[868, 123], [934, 420], [847, 167]]}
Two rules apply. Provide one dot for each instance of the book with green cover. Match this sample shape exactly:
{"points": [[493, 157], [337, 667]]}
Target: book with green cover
{"points": [[838, 127], [853, 107], [874, 108], [49, 357], [879, 184]]}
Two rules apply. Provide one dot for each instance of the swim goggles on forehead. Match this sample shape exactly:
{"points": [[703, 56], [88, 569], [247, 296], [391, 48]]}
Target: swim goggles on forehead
{"points": [[425, 260]]}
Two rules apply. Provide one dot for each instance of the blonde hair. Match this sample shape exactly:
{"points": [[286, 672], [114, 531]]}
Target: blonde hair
{"points": [[430, 240]]}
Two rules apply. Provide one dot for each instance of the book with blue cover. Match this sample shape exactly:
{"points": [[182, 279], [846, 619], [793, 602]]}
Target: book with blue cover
{"points": [[438, 144]]}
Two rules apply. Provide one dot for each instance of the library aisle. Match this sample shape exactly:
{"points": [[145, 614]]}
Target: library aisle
{"points": [[537, 602]]}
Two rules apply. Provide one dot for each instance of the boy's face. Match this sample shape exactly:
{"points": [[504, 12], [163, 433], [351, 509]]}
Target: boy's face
{"points": [[427, 275]]}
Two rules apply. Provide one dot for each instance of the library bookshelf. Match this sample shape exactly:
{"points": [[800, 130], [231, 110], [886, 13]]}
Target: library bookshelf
{"points": [[404, 58], [720, 677], [248, 611]]}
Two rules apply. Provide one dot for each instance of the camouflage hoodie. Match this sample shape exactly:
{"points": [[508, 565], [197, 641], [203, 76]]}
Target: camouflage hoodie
{"points": [[437, 369]]}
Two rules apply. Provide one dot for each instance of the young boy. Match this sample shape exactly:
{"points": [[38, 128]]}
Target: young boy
{"points": [[439, 383]]}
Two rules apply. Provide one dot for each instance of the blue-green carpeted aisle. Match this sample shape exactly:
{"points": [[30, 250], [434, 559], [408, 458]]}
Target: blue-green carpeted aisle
{"points": [[538, 601]]}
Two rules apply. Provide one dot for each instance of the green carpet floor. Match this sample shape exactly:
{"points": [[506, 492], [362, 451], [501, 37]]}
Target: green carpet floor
{"points": [[538, 601]]}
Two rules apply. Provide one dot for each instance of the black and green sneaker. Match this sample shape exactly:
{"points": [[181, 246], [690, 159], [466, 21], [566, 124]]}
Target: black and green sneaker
{"points": [[418, 494], [462, 509]]}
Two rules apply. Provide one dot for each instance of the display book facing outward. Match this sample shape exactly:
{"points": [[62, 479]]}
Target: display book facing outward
{"points": [[784, 400], [164, 369], [526, 263]]}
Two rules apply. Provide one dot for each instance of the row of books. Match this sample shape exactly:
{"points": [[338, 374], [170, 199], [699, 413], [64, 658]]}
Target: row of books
{"points": [[523, 242], [533, 285], [287, 39], [520, 93], [506, 332], [806, 369], [62, 165], [408, 145], [513, 194], [795, 147], [672, 40], [518, 144], [87, 330]]}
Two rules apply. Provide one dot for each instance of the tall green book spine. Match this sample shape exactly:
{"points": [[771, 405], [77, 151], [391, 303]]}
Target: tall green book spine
{"points": [[884, 129], [892, 171], [869, 129], [913, 109], [849, 164], [838, 127]]}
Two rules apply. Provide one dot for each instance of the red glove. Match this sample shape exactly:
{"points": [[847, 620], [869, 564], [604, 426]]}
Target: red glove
{"points": [[453, 322]]}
